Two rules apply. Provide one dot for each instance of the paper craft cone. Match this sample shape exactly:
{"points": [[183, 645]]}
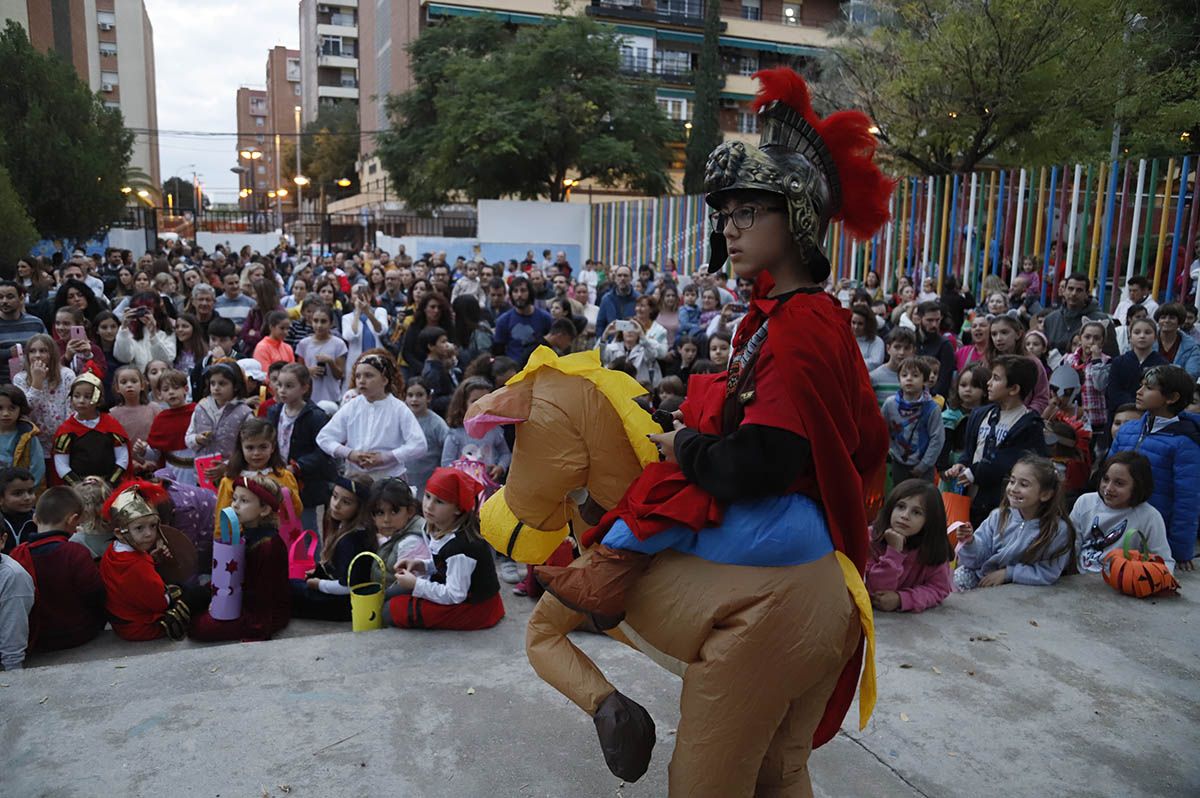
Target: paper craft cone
{"points": [[229, 564]]}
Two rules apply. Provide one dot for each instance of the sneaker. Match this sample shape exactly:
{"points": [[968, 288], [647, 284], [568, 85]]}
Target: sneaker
{"points": [[521, 588], [510, 571]]}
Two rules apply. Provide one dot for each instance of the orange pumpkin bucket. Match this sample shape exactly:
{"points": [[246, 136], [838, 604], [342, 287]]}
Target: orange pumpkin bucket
{"points": [[1137, 573]]}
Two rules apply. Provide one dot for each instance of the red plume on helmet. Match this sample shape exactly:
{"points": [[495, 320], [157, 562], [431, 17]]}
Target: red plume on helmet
{"points": [[847, 135], [153, 493]]}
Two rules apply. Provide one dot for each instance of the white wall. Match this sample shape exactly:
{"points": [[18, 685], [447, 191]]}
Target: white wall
{"points": [[553, 223], [262, 242]]}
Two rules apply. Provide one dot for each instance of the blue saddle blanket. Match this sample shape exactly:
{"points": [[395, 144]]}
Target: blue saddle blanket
{"points": [[775, 531]]}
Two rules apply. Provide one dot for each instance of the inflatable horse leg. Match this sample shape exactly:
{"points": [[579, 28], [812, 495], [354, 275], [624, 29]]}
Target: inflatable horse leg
{"points": [[765, 648], [625, 728]]}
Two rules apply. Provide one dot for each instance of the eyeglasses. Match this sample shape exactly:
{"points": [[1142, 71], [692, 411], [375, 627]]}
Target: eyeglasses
{"points": [[743, 217]]}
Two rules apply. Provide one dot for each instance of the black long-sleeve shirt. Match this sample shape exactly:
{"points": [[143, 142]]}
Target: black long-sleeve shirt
{"points": [[752, 462]]}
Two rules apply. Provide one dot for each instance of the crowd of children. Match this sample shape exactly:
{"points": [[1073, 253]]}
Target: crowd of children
{"points": [[340, 419]]}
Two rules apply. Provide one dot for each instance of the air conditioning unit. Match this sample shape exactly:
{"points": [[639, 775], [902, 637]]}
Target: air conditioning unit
{"points": [[106, 87], [324, 9], [106, 26]]}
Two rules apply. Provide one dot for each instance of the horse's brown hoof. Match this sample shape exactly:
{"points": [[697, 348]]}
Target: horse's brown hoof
{"points": [[626, 733]]}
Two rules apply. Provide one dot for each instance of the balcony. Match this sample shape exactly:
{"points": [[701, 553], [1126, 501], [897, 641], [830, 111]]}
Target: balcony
{"points": [[342, 61], [342, 92], [337, 83], [332, 29], [635, 12], [659, 73]]}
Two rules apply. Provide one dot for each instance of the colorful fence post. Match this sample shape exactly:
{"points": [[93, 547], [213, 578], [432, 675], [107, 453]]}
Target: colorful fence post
{"points": [[1046, 270], [1162, 228], [1183, 176], [1144, 266], [1016, 243], [1108, 219]]}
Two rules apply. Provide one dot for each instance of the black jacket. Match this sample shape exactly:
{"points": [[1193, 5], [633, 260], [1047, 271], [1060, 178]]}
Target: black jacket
{"points": [[1027, 436], [315, 468]]}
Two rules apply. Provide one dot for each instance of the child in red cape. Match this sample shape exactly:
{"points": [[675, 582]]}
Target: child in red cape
{"points": [[139, 604]]}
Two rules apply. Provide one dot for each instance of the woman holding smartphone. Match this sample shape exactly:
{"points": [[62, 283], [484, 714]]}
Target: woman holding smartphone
{"points": [[146, 333]]}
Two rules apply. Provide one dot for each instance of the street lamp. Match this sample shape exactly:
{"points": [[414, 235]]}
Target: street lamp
{"points": [[251, 154], [343, 182]]}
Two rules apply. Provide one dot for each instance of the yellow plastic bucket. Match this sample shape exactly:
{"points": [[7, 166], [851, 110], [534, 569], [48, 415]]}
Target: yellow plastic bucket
{"points": [[366, 598]]}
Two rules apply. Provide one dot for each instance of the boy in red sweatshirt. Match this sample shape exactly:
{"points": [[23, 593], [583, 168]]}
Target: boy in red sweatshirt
{"points": [[68, 610], [139, 604]]}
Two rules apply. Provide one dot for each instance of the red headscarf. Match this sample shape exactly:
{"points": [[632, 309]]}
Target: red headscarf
{"points": [[452, 485]]}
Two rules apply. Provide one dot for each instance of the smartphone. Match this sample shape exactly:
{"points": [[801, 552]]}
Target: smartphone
{"points": [[78, 333], [137, 313], [16, 360], [626, 325], [663, 419]]}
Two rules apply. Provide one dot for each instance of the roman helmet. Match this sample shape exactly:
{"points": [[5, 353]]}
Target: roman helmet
{"points": [[824, 168]]}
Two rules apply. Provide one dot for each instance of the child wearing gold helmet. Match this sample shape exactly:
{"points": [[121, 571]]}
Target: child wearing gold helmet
{"points": [[139, 604], [90, 442]]}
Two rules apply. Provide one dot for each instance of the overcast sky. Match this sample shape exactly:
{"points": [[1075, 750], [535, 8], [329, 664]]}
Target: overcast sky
{"points": [[203, 52]]}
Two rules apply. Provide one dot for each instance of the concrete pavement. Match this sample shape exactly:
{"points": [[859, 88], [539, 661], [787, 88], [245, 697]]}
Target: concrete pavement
{"points": [[1069, 690]]}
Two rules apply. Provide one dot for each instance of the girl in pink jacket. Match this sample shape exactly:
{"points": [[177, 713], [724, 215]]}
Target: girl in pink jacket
{"points": [[908, 570]]}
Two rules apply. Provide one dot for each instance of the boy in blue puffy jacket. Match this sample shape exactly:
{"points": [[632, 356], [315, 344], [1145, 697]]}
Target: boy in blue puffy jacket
{"points": [[1170, 439]]}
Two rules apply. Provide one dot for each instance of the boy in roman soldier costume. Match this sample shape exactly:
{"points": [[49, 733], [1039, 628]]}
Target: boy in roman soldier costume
{"points": [[90, 442], [140, 605], [770, 464]]}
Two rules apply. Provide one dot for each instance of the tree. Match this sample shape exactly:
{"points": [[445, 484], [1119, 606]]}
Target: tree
{"points": [[17, 233], [329, 149], [705, 134], [64, 150], [953, 82], [183, 194], [501, 112]]}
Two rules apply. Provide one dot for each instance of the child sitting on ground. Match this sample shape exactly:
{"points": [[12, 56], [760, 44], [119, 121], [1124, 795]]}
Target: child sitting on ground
{"points": [[90, 442], [1028, 540], [218, 417], [19, 443], [266, 599], [908, 569], [998, 434], [69, 609], [16, 600], [457, 588], [914, 423], [256, 453], [18, 492], [399, 527], [94, 532], [166, 445], [297, 421], [140, 605], [133, 409], [324, 594], [416, 396], [1170, 438], [970, 389], [1122, 504]]}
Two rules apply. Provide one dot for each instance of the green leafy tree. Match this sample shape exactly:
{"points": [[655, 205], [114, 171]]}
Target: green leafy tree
{"points": [[328, 151], [501, 112], [17, 233], [65, 152], [951, 83], [706, 129]]}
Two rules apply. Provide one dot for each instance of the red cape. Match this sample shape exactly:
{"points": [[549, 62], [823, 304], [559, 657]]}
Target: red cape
{"points": [[169, 427], [810, 379], [135, 596]]}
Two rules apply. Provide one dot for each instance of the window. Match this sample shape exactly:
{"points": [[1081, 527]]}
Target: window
{"points": [[296, 90], [680, 8], [331, 45], [674, 62], [371, 168], [751, 9], [106, 20], [747, 64], [260, 138], [108, 48], [112, 104], [747, 122], [109, 78], [675, 108], [293, 69], [259, 121], [345, 18], [791, 13], [262, 170]]}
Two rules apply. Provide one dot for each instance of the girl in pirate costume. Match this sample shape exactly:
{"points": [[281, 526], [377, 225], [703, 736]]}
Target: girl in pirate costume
{"points": [[770, 463], [139, 604], [90, 442]]}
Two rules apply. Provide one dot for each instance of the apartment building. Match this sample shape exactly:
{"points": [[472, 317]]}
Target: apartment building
{"points": [[662, 42], [266, 121], [329, 48], [111, 45]]}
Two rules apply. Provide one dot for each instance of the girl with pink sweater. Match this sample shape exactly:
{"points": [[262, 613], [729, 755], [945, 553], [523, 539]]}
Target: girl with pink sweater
{"points": [[908, 569]]}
